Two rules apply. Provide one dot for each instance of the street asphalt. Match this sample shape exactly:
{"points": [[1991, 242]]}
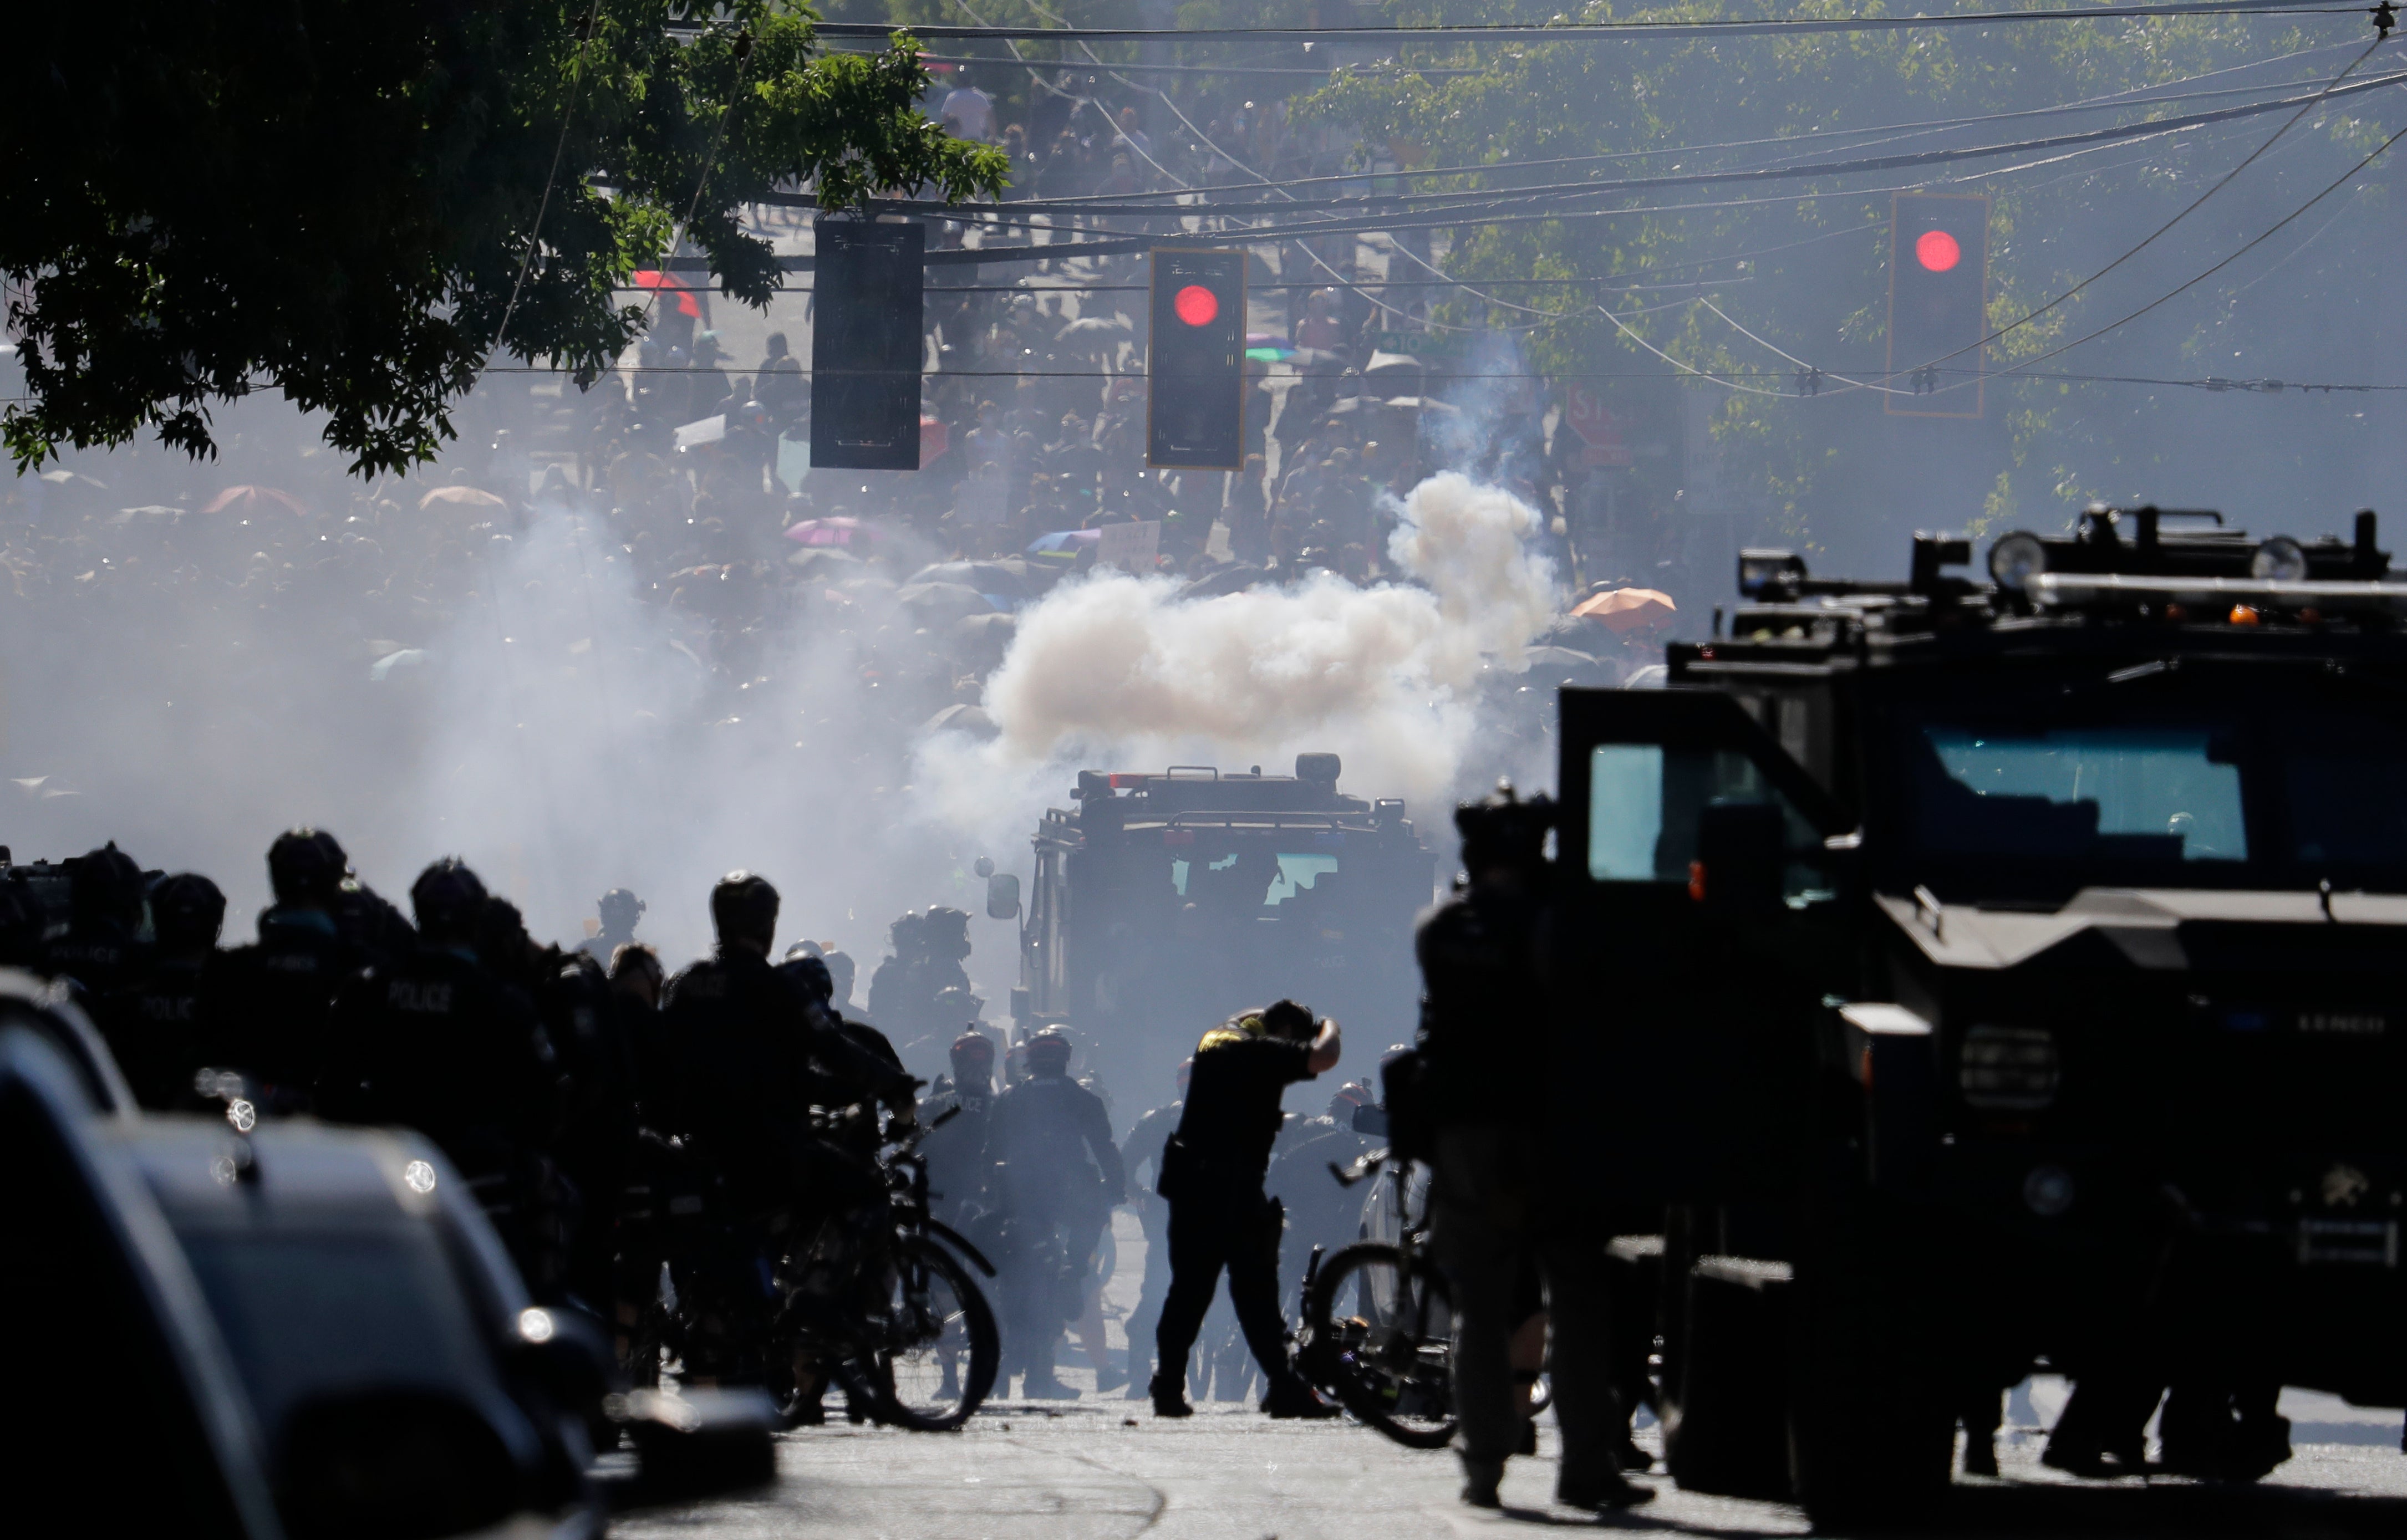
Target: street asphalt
{"points": [[1103, 1468]]}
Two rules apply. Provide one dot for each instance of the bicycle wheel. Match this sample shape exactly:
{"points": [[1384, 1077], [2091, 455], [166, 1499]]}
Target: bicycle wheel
{"points": [[1382, 1343], [940, 1346]]}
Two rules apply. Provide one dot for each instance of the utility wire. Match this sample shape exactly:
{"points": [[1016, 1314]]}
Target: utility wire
{"points": [[2330, 91], [1590, 31]]}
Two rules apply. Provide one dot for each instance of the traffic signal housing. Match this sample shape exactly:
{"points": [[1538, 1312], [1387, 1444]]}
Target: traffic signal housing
{"points": [[868, 292], [1938, 302], [1195, 360]]}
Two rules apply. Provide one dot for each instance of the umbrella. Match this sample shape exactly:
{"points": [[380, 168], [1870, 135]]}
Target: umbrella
{"points": [[1063, 545], [944, 598], [963, 717], [824, 562], [1008, 578], [254, 500], [996, 630], [1559, 657], [842, 530], [466, 497], [1627, 610], [1235, 578]]}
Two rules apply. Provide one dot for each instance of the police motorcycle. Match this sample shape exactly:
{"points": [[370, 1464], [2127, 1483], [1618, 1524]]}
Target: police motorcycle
{"points": [[873, 1298]]}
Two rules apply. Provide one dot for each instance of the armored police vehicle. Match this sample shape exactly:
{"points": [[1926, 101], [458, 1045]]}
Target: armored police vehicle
{"points": [[1995, 976], [1162, 902]]}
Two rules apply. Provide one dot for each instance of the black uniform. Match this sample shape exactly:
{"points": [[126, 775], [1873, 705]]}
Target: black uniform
{"points": [[153, 1024], [753, 1055], [1056, 1174], [1219, 1217], [1485, 973], [434, 1041]]}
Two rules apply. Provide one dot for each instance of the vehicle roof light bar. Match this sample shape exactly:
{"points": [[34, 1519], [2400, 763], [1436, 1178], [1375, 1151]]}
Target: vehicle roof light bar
{"points": [[2087, 590]]}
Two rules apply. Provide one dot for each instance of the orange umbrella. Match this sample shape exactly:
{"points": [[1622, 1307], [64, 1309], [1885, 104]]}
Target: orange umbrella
{"points": [[255, 500], [1627, 610], [466, 497]]}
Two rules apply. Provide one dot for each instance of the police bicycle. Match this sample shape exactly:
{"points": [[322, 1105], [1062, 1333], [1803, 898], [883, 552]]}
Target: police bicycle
{"points": [[1379, 1326], [873, 1301]]}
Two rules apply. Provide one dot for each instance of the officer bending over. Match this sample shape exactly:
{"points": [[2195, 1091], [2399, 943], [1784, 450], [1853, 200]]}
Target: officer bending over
{"points": [[1219, 1217]]}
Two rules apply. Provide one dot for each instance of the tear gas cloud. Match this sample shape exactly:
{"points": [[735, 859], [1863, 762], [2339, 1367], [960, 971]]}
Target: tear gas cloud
{"points": [[554, 721], [1123, 671]]}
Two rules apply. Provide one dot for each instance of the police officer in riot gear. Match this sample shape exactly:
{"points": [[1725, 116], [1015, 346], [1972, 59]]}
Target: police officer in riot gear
{"points": [[102, 947], [755, 1052], [620, 912], [1211, 1172], [955, 1153], [434, 1040], [907, 993], [1486, 1003], [1055, 1175], [267, 1005], [152, 1020]]}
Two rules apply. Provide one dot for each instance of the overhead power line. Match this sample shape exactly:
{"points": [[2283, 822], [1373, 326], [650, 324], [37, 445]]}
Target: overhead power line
{"points": [[1588, 31]]}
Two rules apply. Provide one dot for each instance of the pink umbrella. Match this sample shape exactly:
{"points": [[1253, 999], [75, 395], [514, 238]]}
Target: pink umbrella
{"points": [[470, 498], [255, 500], [1626, 609], [842, 530]]}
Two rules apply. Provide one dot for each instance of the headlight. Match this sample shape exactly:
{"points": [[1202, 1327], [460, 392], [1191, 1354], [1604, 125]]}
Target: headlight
{"points": [[2009, 1069], [2016, 560], [2278, 561]]}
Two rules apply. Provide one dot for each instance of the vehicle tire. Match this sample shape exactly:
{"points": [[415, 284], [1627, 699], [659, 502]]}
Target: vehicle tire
{"points": [[1382, 1341], [1872, 1427], [940, 1357]]}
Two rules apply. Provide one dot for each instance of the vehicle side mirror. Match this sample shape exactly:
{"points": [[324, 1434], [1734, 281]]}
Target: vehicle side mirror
{"points": [[399, 1464], [1741, 851], [699, 1444], [1371, 1121], [1003, 896]]}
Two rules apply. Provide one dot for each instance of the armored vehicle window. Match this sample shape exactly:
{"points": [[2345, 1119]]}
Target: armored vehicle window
{"points": [[1296, 874], [2168, 794], [1644, 806]]}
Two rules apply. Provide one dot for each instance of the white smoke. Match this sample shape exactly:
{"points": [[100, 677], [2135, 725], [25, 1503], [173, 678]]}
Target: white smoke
{"points": [[1122, 671]]}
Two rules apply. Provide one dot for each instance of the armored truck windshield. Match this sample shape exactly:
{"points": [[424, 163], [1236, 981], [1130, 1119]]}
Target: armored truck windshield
{"points": [[2230, 776]]}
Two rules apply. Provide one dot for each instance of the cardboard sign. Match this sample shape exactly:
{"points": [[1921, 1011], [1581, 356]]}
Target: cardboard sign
{"points": [[1131, 548]]}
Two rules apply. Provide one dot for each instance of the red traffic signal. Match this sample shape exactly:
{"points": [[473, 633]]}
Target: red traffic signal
{"points": [[1196, 305], [1195, 360], [1938, 304]]}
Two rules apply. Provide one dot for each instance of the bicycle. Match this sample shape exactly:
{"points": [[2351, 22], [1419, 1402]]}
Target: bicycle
{"points": [[898, 1323], [873, 1301], [1379, 1326]]}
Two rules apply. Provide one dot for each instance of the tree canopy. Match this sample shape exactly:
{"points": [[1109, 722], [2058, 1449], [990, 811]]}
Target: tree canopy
{"points": [[346, 201], [1753, 283]]}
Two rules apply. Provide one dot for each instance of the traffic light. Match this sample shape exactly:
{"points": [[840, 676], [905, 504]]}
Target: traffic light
{"points": [[865, 342], [1195, 364], [1938, 302]]}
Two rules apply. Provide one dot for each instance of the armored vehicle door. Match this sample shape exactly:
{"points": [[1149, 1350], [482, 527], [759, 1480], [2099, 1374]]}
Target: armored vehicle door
{"points": [[1700, 873]]}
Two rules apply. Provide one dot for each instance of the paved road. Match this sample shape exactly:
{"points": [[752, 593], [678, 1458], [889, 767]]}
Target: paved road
{"points": [[1103, 1468]]}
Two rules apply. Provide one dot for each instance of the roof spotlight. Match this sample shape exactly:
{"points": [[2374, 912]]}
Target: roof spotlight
{"points": [[2279, 560], [2016, 560]]}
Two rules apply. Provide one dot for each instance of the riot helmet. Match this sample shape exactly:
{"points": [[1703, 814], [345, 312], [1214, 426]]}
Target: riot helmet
{"points": [[1502, 833], [945, 933], [621, 911], [744, 911], [307, 866], [812, 974], [186, 912], [104, 887], [1048, 1052], [973, 1057], [448, 900]]}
